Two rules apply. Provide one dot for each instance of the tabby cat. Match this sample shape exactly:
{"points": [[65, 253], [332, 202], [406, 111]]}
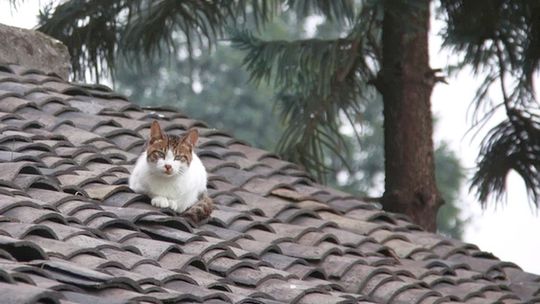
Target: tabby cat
{"points": [[172, 174]]}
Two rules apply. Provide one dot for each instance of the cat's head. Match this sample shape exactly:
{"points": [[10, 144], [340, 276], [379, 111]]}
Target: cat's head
{"points": [[170, 155]]}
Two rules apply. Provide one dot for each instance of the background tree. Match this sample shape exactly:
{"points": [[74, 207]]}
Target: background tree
{"points": [[210, 88], [96, 31]]}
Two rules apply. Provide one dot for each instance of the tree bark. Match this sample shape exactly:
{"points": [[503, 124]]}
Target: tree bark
{"points": [[406, 84]]}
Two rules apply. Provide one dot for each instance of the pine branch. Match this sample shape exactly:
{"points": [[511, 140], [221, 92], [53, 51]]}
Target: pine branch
{"points": [[319, 80], [514, 144], [312, 130], [312, 66], [88, 29], [500, 38], [95, 31]]}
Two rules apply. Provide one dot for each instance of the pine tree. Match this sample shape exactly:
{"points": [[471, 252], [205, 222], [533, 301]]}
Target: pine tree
{"points": [[319, 79]]}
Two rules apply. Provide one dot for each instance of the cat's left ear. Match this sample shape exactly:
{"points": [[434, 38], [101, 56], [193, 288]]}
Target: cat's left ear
{"points": [[156, 133], [191, 137]]}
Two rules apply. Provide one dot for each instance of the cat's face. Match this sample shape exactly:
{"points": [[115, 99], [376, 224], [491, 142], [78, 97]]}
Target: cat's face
{"points": [[170, 155]]}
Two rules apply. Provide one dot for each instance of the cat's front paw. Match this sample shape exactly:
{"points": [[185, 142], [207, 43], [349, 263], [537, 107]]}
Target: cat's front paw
{"points": [[160, 202], [177, 206]]}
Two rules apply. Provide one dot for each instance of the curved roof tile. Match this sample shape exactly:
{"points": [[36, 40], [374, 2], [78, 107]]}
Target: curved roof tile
{"points": [[71, 231]]}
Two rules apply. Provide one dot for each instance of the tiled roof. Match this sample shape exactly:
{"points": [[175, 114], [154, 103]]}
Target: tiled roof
{"points": [[71, 231]]}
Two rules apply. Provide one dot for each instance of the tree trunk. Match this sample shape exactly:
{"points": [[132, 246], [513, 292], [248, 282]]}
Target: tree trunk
{"points": [[406, 84]]}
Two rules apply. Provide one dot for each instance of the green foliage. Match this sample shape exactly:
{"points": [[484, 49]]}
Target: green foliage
{"points": [[97, 31], [309, 65], [318, 80], [222, 96]]}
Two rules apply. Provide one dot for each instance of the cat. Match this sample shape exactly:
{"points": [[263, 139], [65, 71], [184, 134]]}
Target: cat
{"points": [[172, 175]]}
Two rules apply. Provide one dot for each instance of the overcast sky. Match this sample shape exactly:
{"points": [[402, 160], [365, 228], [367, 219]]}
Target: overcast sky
{"points": [[507, 230]]}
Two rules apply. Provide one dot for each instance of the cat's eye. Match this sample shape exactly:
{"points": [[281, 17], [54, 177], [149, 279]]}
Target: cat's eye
{"points": [[181, 158], [159, 154]]}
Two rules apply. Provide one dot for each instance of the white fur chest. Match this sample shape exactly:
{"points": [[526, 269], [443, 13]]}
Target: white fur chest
{"points": [[181, 190]]}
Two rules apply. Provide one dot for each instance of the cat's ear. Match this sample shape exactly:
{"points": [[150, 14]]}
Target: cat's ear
{"points": [[191, 137], [155, 132]]}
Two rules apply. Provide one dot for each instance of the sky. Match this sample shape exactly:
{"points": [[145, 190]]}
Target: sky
{"points": [[506, 229]]}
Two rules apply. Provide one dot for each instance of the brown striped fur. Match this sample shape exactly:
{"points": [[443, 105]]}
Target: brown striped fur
{"points": [[201, 210], [159, 143]]}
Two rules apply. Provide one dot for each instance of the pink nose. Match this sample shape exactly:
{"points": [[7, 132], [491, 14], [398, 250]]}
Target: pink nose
{"points": [[168, 167]]}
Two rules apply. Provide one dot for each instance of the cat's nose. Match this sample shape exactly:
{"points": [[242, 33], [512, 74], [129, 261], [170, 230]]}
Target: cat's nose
{"points": [[167, 168]]}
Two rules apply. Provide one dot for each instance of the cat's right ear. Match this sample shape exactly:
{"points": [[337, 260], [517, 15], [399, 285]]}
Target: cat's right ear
{"points": [[156, 133]]}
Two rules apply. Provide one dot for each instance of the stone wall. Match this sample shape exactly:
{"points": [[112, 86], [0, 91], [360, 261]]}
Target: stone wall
{"points": [[33, 49]]}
